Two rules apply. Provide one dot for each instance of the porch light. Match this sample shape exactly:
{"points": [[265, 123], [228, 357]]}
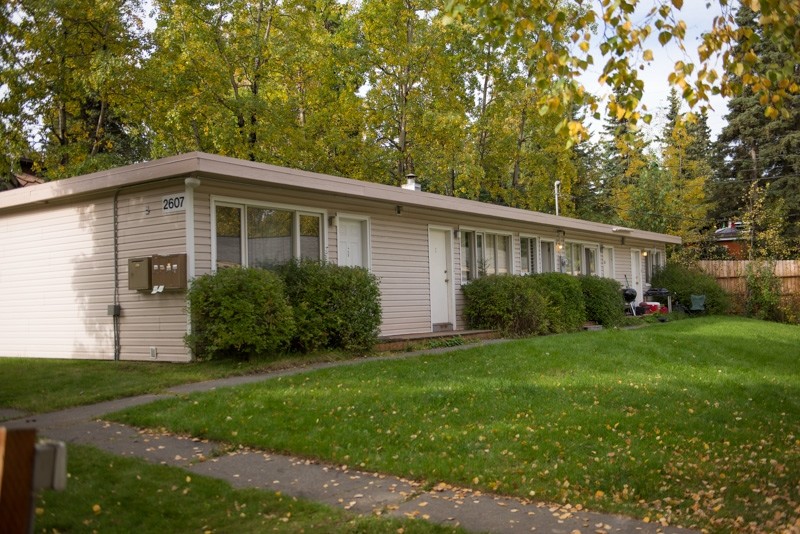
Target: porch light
{"points": [[398, 209], [644, 253]]}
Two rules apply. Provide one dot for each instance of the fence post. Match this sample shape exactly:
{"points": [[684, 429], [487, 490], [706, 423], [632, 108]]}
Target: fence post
{"points": [[17, 453]]}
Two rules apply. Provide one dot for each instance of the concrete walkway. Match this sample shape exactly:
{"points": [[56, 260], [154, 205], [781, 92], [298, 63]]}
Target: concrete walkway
{"points": [[361, 492]]}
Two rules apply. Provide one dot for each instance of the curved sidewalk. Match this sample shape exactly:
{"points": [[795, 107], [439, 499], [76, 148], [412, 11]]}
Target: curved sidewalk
{"points": [[361, 492]]}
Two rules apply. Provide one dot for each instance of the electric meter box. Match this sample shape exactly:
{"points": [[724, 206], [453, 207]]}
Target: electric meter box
{"points": [[168, 272], [139, 273]]}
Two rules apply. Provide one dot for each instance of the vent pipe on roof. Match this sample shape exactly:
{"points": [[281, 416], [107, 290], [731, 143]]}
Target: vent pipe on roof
{"points": [[411, 183]]}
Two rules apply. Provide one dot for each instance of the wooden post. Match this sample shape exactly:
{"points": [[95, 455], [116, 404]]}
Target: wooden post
{"points": [[17, 451]]}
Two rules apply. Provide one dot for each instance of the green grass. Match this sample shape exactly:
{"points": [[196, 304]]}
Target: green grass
{"points": [[41, 385], [110, 494], [696, 423]]}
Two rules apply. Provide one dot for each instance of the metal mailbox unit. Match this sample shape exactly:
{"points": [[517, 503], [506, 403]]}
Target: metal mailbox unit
{"points": [[157, 273]]}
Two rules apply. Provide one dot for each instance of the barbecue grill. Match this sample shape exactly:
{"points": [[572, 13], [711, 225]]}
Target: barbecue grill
{"points": [[629, 296]]}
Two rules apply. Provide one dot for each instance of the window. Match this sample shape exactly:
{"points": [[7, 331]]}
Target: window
{"points": [[229, 236], [529, 250], [580, 259], [590, 261], [269, 237], [652, 263], [310, 236], [467, 256], [260, 236], [548, 255], [483, 253]]}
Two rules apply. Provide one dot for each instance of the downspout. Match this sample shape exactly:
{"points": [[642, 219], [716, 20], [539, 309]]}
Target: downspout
{"points": [[191, 184], [116, 314]]}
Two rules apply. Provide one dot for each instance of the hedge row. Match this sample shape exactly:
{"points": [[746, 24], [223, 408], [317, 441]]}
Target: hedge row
{"points": [[547, 303], [683, 282], [303, 306]]}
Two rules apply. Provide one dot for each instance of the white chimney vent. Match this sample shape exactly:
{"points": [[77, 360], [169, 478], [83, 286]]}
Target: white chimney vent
{"points": [[411, 183]]}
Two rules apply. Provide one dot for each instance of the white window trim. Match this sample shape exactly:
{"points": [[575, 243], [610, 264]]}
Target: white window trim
{"points": [[368, 238], [613, 273], [584, 245], [556, 255], [235, 202], [650, 266], [536, 269], [598, 260], [483, 230]]}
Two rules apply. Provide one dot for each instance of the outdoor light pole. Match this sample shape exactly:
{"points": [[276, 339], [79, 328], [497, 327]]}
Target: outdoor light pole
{"points": [[555, 188]]}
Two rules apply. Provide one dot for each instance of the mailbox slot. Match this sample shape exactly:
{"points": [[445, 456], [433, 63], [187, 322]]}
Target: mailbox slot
{"points": [[168, 272]]}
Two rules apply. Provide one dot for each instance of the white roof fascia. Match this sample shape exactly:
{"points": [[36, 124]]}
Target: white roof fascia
{"points": [[200, 164]]}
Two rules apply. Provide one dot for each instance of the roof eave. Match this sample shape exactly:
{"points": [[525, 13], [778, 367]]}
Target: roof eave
{"points": [[212, 166]]}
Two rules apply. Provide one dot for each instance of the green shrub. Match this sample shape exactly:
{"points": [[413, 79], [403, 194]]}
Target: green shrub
{"points": [[238, 313], [567, 311], [510, 304], [525, 305], [603, 299], [684, 282], [763, 299], [334, 307]]}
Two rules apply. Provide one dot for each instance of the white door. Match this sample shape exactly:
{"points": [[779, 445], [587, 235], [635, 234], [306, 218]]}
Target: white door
{"points": [[440, 275], [636, 274], [351, 239]]}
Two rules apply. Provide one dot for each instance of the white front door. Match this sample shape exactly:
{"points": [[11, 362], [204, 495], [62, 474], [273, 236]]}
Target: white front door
{"points": [[636, 274], [440, 276], [351, 243]]}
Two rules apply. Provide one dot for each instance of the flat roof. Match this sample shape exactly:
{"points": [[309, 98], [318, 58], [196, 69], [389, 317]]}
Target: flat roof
{"points": [[200, 165]]}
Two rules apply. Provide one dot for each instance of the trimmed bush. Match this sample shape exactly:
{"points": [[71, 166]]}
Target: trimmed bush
{"points": [[510, 304], [567, 311], [238, 313], [525, 305], [684, 282], [334, 307], [603, 299]]}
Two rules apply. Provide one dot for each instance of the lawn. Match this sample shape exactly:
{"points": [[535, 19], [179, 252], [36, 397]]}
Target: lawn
{"points": [[694, 423], [111, 494], [41, 385]]}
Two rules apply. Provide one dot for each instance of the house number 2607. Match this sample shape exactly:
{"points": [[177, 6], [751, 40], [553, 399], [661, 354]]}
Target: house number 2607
{"points": [[173, 203]]}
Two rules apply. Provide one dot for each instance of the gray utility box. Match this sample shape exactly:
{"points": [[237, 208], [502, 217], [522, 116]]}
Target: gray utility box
{"points": [[139, 273]]}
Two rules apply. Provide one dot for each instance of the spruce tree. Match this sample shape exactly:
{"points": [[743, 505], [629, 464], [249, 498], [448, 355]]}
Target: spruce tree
{"points": [[755, 149]]}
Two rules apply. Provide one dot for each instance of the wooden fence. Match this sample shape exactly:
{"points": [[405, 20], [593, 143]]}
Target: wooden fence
{"points": [[731, 275]]}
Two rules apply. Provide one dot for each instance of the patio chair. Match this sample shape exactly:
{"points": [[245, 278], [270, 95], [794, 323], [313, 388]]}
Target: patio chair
{"points": [[698, 304]]}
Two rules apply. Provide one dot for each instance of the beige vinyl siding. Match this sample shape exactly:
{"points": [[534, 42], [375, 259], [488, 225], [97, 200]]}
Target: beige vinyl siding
{"points": [[202, 233], [56, 281], [158, 321], [399, 246], [400, 260], [57, 248]]}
